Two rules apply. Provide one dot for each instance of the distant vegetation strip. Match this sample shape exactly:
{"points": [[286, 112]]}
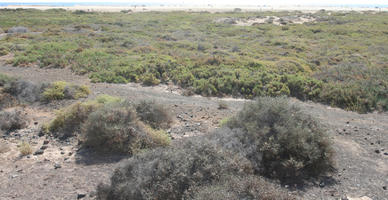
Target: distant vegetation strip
{"points": [[338, 59]]}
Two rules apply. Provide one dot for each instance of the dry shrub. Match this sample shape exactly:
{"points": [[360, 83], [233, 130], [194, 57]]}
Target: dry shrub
{"points": [[25, 148], [240, 187], [116, 128], [169, 173], [156, 115], [13, 120], [7, 100], [281, 141], [24, 91], [68, 121]]}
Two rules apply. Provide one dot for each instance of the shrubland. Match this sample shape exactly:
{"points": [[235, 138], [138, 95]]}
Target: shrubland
{"points": [[110, 124], [339, 59], [268, 142], [13, 90]]}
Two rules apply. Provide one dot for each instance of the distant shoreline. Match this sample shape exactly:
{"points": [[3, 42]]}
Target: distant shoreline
{"points": [[209, 8]]}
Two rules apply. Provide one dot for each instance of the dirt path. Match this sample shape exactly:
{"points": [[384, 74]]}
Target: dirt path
{"points": [[360, 142]]}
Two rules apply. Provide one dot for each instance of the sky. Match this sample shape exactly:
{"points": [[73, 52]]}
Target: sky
{"points": [[227, 2]]}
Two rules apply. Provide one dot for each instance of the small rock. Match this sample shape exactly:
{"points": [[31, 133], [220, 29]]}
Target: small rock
{"points": [[44, 147], [46, 142], [36, 123], [14, 176], [384, 187], [377, 151], [57, 166], [66, 159], [322, 184], [386, 153], [60, 148], [359, 198], [62, 152], [81, 195], [39, 152], [28, 156]]}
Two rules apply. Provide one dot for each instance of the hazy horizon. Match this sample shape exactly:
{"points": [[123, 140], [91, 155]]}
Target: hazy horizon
{"points": [[201, 2]]}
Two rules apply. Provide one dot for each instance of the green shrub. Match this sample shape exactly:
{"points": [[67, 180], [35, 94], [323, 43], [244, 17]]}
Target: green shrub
{"points": [[153, 114], [55, 91], [68, 121], [288, 144], [62, 90], [116, 128]]}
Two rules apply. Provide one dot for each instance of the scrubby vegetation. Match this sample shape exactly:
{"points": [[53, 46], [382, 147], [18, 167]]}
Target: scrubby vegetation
{"points": [[339, 59], [63, 90], [13, 119], [116, 128], [155, 115], [13, 89], [282, 141], [231, 162], [25, 148], [109, 124]]}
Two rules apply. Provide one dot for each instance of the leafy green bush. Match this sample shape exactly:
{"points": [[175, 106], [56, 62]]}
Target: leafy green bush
{"points": [[116, 128], [62, 90], [288, 144], [155, 115]]}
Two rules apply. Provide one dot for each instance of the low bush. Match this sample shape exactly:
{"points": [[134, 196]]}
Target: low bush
{"points": [[287, 144], [68, 121], [13, 120], [62, 90], [239, 187], [170, 173], [25, 91], [116, 128], [155, 115], [7, 100], [5, 79], [25, 148]]}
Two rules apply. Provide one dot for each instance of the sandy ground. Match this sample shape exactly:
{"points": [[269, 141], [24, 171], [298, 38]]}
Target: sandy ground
{"points": [[199, 8], [360, 142]]}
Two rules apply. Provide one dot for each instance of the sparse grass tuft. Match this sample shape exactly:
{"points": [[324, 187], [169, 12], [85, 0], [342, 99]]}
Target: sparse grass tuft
{"points": [[25, 148]]}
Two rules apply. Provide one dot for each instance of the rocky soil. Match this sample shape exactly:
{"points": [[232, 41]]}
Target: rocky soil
{"points": [[61, 170]]}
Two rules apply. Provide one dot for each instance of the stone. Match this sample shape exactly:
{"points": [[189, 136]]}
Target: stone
{"points": [[359, 198], [62, 152], [46, 142], [384, 187], [81, 195], [39, 152], [18, 29], [377, 151], [57, 166], [386, 153], [44, 147]]}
